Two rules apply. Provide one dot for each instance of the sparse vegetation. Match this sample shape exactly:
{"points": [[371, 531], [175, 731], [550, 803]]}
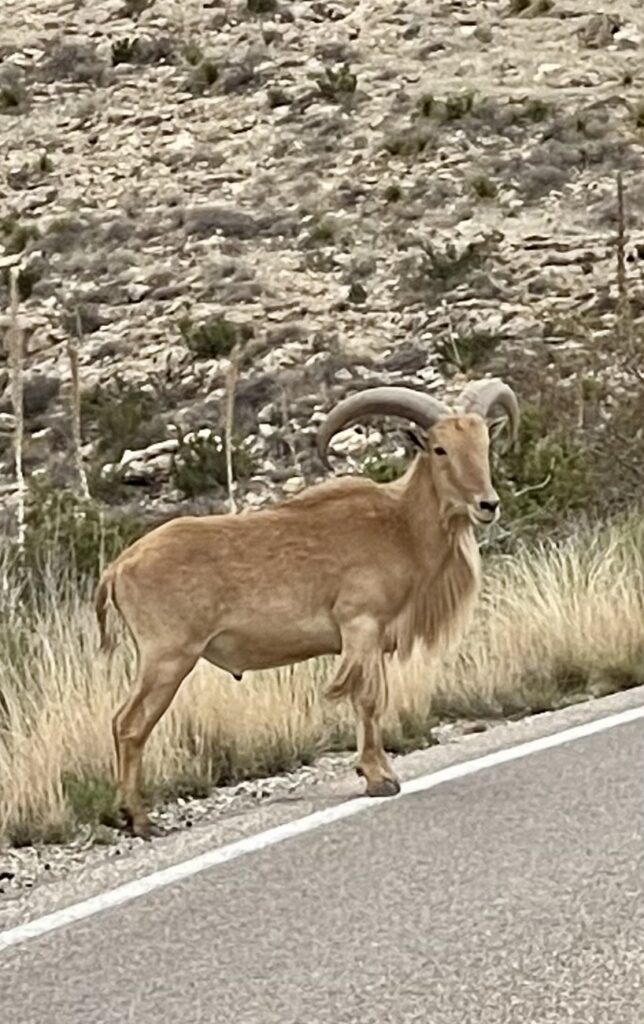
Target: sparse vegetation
{"points": [[277, 97], [203, 75], [428, 269], [465, 351], [323, 232], [457, 105], [13, 91], [546, 478], [16, 235], [135, 8], [426, 105], [483, 186], [68, 536], [261, 6], [530, 8], [337, 85], [143, 50], [214, 338], [199, 465], [409, 142], [638, 115], [28, 276], [383, 468], [393, 193], [127, 418]]}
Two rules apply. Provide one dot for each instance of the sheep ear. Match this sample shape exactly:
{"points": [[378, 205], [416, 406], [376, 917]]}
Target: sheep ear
{"points": [[417, 440]]}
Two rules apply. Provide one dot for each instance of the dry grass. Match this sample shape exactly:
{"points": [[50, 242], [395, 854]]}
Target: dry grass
{"points": [[554, 624]]}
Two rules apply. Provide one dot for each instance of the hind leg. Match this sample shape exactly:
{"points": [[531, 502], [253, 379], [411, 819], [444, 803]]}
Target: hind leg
{"points": [[158, 679], [362, 677]]}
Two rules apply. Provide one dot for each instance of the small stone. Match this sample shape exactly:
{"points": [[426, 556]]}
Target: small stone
{"points": [[293, 485], [7, 423]]}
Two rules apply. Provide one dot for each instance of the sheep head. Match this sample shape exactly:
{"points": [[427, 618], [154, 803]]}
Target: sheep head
{"points": [[455, 442]]}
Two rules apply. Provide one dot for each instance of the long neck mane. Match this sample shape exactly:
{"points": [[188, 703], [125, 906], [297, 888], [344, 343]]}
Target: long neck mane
{"points": [[448, 574]]}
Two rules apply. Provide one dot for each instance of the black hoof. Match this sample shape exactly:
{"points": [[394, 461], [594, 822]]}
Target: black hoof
{"points": [[139, 826], [384, 787], [146, 830]]}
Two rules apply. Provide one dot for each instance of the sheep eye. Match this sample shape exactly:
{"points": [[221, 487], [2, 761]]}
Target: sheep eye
{"points": [[439, 451]]}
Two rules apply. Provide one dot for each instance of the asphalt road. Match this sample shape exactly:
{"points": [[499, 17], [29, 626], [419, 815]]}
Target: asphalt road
{"points": [[511, 895]]}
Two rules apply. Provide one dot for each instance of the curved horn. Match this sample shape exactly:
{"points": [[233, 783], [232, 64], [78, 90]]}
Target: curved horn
{"points": [[386, 401], [482, 396]]}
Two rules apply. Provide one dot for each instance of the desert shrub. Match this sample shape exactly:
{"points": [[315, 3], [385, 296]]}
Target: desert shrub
{"points": [[71, 536], [126, 419], [393, 193], [143, 50], [383, 468], [547, 478], [73, 61], [16, 234], [338, 85], [277, 97], [483, 186], [203, 75], [199, 464], [261, 6], [410, 141], [213, 338], [14, 97], [135, 8], [92, 799], [28, 277], [465, 350], [427, 270], [457, 106], [64, 233], [323, 231]]}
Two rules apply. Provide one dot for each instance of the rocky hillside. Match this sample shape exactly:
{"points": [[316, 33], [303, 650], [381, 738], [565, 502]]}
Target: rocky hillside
{"points": [[355, 192]]}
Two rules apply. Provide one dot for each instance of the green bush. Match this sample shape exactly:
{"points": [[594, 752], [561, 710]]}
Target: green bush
{"points": [[261, 6], [128, 419], [199, 465], [92, 800], [430, 271], [457, 105], [214, 338], [546, 478], [68, 535], [203, 75], [337, 86], [15, 236], [483, 186], [382, 468], [410, 141], [466, 350]]}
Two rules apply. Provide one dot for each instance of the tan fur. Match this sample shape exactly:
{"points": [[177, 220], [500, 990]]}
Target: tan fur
{"points": [[348, 567], [104, 604]]}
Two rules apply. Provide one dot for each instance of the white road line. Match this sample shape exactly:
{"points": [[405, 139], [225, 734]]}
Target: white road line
{"points": [[221, 855]]}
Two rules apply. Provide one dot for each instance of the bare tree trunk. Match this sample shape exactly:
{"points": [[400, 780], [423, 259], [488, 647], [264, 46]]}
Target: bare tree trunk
{"points": [[16, 364], [624, 321], [231, 384], [77, 439]]}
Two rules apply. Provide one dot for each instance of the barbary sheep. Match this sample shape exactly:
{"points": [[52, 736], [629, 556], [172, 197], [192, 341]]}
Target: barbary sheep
{"points": [[347, 567]]}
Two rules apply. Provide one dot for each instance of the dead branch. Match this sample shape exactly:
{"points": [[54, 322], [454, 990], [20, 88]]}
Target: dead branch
{"points": [[72, 352], [16, 368]]}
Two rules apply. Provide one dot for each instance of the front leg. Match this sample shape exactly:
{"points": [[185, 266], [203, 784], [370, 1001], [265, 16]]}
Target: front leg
{"points": [[361, 676]]}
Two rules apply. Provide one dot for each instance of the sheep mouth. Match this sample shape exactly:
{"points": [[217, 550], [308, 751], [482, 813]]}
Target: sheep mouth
{"points": [[480, 518]]}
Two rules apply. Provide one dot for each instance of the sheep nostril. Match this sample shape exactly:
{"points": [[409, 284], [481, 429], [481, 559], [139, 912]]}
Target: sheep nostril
{"points": [[489, 506]]}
